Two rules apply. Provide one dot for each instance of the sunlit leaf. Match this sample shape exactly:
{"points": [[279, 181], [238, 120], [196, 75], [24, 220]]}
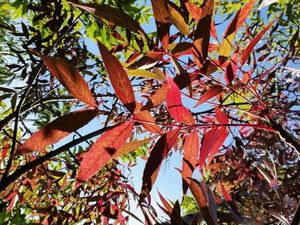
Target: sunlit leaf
{"points": [[177, 19], [205, 201], [105, 148], [249, 48], [235, 24], [56, 130], [187, 116], [190, 158], [118, 78], [202, 33], [210, 144], [147, 61], [114, 15], [145, 73], [70, 78], [193, 10], [158, 153], [221, 117], [162, 20], [157, 98], [174, 102], [212, 92], [130, 146], [146, 119]]}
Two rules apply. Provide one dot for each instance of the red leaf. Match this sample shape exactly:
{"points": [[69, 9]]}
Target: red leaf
{"points": [[57, 129], [231, 30], [193, 10], [70, 78], [157, 98], [158, 153], [202, 34], [12, 196], [251, 45], [211, 142], [229, 75], [190, 158], [5, 148], [221, 117], [114, 15], [174, 103], [118, 78], [105, 148], [205, 201], [212, 92], [162, 20], [187, 116], [146, 119]]}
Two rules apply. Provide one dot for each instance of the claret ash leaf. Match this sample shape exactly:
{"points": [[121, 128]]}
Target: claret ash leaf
{"points": [[57, 130], [70, 78], [105, 148]]}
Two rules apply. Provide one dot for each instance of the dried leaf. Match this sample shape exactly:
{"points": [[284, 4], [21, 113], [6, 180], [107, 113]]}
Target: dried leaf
{"points": [[114, 15], [212, 92], [105, 148], [56, 130], [118, 78], [251, 45], [205, 201], [70, 78], [158, 153]]}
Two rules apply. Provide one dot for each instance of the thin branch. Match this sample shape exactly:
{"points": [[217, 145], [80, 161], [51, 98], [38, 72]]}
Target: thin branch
{"points": [[4, 183]]}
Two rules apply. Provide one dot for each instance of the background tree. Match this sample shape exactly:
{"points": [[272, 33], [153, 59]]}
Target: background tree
{"points": [[217, 81]]}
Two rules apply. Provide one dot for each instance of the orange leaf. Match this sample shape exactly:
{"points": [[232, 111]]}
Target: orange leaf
{"points": [[147, 61], [118, 78], [251, 45], [131, 146], [212, 92], [193, 10], [157, 98], [114, 15], [105, 148], [57, 129], [211, 142], [187, 116], [190, 158], [202, 33], [146, 119], [235, 24], [162, 20], [70, 78], [205, 201], [158, 153]]}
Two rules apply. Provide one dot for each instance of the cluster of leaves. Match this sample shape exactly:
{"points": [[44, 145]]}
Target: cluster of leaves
{"points": [[236, 82]]}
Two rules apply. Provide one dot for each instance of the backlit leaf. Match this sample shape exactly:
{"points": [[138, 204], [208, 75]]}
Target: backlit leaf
{"points": [[147, 61], [162, 20], [114, 15], [157, 98], [251, 45], [212, 92], [205, 201], [178, 21], [56, 130], [221, 117], [202, 33], [145, 73], [174, 102], [190, 158], [210, 144], [105, 148], [70, 78], [118, 78], [187, 116], [158, 153], [235, 24], [193, 10], [146, 119], [131, 146]]}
